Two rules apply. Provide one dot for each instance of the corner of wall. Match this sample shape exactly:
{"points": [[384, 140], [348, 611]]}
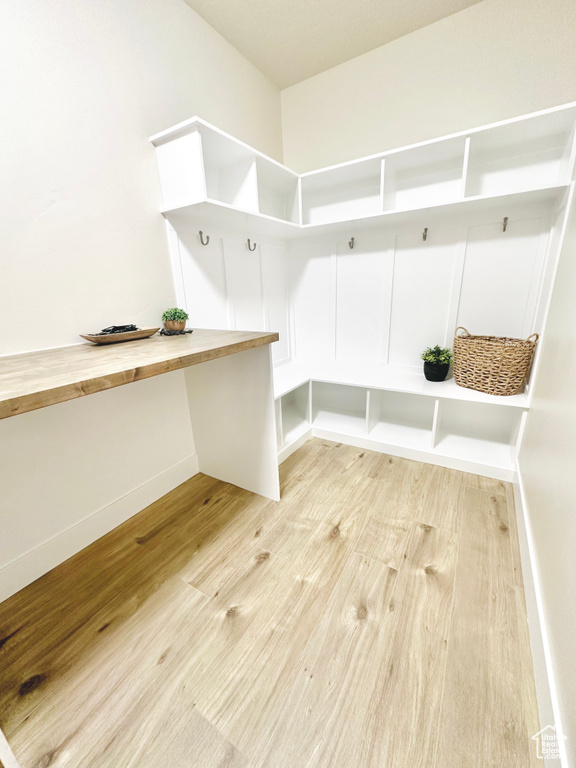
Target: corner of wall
{"points": [[41, 559]]}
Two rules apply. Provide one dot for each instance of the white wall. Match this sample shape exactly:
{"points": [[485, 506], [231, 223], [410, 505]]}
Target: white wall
{"points": [[82, 87], [547, 462], [492, 61]]}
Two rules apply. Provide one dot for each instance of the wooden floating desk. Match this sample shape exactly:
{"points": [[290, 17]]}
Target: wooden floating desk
{"points": [[231, 398], [37, 379]]}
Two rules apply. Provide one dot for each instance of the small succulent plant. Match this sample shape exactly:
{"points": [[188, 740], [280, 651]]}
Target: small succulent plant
{"points": [[437, 355], [175, 314]]}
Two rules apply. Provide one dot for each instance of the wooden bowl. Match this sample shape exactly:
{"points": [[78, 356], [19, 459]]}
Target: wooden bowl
{"points": [[113, 338]]}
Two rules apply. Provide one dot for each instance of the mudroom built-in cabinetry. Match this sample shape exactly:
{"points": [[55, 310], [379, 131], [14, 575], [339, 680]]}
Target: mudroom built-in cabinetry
{"points": [[361, 266]]}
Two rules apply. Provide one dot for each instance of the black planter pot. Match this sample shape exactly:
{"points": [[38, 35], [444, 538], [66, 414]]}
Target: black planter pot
{"points": [[436, 371]]}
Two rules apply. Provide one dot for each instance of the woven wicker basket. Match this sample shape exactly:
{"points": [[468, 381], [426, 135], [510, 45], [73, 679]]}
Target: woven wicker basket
{"points": [[493, 364]]}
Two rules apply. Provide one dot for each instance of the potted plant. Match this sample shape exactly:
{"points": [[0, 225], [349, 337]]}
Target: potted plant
{"points": [[175, 319], [436, 362]]}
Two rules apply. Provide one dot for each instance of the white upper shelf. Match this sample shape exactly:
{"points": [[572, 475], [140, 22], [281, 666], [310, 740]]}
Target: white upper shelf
{"points": [[207, 173], [227, 217]]}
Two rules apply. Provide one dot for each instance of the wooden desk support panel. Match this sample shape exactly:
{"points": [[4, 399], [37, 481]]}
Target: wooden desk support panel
{"points": [[231, 403], [37, 379]]}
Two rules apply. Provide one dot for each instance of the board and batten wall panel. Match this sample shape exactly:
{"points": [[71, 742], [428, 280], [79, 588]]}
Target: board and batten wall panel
{"points": [[390, 297], [363, 286], [227, 286], [421, 297], [273, 267], [312, 282], [244, 284], [203, 279], [502, 274]]}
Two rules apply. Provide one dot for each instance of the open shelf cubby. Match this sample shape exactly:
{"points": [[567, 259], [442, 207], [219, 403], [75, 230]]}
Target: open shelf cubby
{"points": [[427, 175], [479, 433], [347, 192], [295, 414], [230, 171], [339, 408], [522, 155], [463, 434], [397, 418], [277, 191]]}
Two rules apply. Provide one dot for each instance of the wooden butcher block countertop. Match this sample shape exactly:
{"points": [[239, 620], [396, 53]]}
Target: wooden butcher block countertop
{"points": [[37, 379]]}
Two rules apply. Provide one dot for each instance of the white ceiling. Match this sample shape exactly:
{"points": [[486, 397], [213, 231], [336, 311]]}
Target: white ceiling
{"points": [[291, 40]]}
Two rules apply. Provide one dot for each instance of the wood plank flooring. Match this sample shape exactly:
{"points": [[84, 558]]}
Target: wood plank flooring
{"points": [[373, 618]]}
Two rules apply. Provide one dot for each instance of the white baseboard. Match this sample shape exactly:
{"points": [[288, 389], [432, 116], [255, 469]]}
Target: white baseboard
{"points": [[548, 703], [7, 758], [415, 454], [428, 457], [38, 561]]}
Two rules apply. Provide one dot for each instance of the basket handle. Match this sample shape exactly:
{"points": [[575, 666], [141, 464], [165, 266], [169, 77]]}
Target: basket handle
{"points": [[534, 336], [461, 328]]}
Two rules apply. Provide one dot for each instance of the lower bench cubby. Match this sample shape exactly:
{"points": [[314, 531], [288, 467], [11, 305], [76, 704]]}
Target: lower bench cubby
{"points": [[476, 432], [295, 414], [402, 419], [462, 434], [339, 408]]}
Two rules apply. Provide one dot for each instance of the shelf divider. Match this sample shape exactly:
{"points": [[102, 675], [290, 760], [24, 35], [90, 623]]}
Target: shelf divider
{"points": [[382, 183], [435, 424], [465, 168]]}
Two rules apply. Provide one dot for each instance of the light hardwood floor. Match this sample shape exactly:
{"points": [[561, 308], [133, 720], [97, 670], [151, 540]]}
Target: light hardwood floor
{"points": [[374, 618]]}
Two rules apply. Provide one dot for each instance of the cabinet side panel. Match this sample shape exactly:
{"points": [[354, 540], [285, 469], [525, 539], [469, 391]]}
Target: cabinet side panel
{"points": [[233, 419], [181, 170]]}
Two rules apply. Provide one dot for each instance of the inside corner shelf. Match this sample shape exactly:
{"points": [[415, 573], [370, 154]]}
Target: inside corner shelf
{"points": [[348, 191], [277, 192]]}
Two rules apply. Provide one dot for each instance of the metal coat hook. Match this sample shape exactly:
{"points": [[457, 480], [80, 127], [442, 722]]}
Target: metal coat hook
{"points": [[351, 243], [250, 246], [204, 242], [425, 234], [504, 223]]}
